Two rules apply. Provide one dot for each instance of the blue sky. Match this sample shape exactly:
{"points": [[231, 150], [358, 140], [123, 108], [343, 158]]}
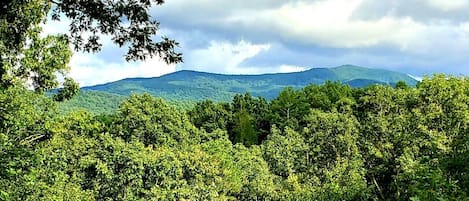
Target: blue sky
{"points": [[418, 37]]}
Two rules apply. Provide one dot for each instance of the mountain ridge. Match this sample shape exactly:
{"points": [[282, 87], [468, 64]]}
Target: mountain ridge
{"points": [[194, 72], [191, 86], [221, 87]]}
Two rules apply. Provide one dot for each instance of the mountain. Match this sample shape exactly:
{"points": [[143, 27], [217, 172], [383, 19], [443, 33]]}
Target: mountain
{"points": [[195, 86]]}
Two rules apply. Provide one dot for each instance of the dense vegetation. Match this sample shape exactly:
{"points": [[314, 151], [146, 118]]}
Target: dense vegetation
{"points": [[29, 57], [99, 102], [322, 142], [328, 142], [184, 88]]}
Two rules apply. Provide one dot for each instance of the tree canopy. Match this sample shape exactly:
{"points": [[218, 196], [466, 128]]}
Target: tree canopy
{"points": [[322, 142], [28, 57], [383, 143]]}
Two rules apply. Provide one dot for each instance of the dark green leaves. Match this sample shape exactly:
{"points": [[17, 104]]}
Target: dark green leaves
{"points": [[27, 58], [128, 22], [377, 143], [70, 89]]}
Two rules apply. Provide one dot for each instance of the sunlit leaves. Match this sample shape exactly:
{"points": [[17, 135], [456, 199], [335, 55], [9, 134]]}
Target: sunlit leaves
{"points": [[153, 122], [377, 143]]}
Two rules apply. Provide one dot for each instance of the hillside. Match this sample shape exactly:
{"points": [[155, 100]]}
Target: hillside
{"points": [[189, 86]]}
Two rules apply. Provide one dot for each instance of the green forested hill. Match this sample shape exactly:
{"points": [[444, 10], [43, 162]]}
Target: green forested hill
{"points": [[96, 101], [191, 86], [327, 142]]}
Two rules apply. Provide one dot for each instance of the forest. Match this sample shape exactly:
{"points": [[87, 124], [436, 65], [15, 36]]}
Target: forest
{"points": [[319, 142], [322, 142], [184, 88]]}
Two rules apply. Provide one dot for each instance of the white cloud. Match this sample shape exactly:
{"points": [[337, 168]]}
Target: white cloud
{"points": [[416, 77], [330, 24], [54, 27], [89, 69], [230, 58], [448, 5], [290, 68], [408, 35], [224, 57]]}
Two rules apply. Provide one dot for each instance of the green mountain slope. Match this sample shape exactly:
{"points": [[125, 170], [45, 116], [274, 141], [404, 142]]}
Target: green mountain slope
{"points": [[97, 102], [190, 86], [348, 73]]}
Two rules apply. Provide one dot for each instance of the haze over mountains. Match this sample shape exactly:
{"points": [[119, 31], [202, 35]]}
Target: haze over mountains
{"points": [[189, 86]]}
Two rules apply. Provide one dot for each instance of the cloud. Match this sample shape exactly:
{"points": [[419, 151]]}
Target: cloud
{"points": [[446, 5], [234, 58], [291, 68], [329, 24], [429, 11], [408, 39], [108, 65], [265, 36], [89, 69], [224, 57]]}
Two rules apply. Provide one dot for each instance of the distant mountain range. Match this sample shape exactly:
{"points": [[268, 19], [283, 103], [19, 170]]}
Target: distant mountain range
{"points": [[195, 86]]}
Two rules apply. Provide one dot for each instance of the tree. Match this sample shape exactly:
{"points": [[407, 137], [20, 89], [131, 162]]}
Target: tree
{"points": [[26, 56], [62, 169], [153, 122], [243, 130], [257, 180], [285, 152], [25, 119], [401, 85], [435, 166], [289, 108], [386, 129], [335, 162], [210, 116], [250, 122], [328, 96]]}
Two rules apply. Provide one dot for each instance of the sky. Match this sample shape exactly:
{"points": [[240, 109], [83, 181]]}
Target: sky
{"points": [[417, 37]]}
